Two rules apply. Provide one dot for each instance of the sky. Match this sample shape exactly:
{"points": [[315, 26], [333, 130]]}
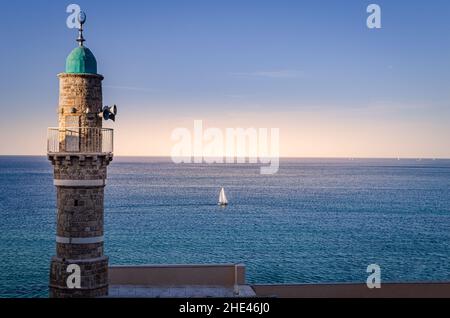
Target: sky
{"points": [[313, 69]]}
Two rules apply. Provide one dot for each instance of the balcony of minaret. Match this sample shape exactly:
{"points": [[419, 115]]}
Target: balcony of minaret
{"points": [[80, 140]]}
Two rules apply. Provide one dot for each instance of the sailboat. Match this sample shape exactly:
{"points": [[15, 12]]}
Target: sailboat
{"points": [[222, 198]]}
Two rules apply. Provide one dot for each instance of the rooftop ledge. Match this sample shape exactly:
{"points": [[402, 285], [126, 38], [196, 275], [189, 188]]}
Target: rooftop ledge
{"points": [[228, 280], [179, 280]]}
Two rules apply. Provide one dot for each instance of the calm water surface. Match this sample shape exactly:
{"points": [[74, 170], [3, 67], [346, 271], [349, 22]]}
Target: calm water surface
{"points": [[315, 221]]}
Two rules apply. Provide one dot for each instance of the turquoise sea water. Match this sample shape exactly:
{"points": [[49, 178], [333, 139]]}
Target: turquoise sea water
{"points": [[317, 220]]}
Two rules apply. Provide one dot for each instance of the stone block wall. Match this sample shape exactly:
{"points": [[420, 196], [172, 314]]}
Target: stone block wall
{"points": [[77, 94], [80, 211], [80, 102]]}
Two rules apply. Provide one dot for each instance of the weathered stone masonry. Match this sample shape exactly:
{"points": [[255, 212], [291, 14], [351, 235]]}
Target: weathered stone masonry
{"points": [[80, 179], [80, 220]]}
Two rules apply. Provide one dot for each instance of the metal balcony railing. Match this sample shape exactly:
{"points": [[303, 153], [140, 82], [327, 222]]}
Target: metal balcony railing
{"points": [[80, 140]]}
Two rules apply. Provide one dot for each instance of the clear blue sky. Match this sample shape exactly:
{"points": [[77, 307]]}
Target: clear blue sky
{"points": [[210, 59]]}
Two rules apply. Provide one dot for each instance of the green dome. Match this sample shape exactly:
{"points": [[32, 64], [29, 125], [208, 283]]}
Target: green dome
{"points": [[81, 61]]}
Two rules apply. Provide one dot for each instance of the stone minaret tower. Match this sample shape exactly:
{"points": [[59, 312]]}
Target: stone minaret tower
{"points": [[80, 151]]}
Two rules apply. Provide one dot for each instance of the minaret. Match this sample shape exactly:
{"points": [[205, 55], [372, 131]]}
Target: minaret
{"points": [[80, 151]]}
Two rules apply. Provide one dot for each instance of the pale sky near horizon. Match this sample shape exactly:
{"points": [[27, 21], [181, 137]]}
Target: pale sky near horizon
{"points": [[313, 69]]}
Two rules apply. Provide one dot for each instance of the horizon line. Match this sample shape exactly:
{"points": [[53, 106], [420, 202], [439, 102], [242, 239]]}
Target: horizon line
{"points": [[246, 158]]}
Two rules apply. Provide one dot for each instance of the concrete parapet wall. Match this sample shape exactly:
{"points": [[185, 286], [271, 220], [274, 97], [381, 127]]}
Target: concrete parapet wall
{"points": [[171, 275]]}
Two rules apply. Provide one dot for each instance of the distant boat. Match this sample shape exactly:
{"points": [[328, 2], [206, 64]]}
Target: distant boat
{"points": [[222, 198]]}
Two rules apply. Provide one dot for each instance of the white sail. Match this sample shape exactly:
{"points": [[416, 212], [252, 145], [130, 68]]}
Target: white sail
{"points": [[222, 197]]}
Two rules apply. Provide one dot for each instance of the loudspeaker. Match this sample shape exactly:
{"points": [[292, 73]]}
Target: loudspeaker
{"points": [[109, 112]]}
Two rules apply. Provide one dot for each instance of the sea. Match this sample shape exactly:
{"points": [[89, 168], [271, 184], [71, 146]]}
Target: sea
{"points": [[315, 221]]}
